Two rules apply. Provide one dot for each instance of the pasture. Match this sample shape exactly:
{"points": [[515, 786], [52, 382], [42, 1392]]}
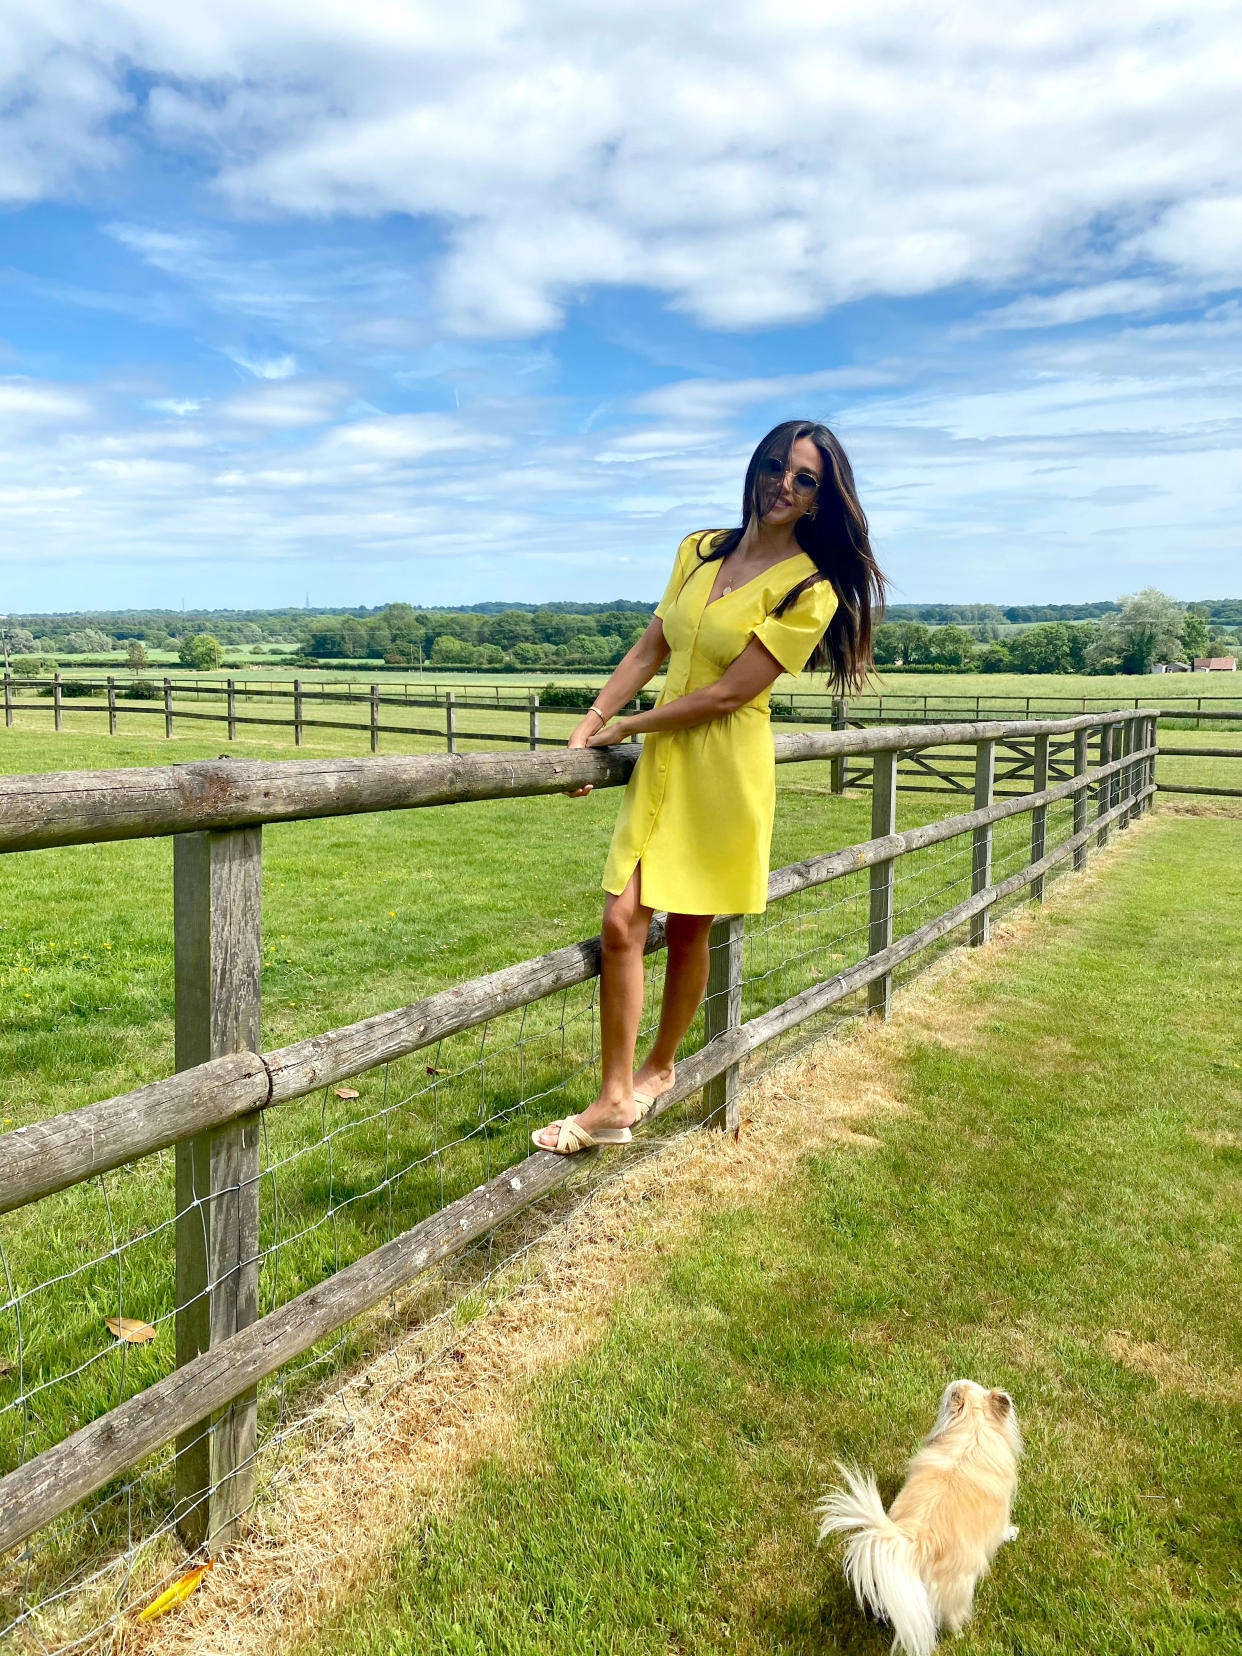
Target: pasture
{"points": [[360, 914], [1048, 1198]]}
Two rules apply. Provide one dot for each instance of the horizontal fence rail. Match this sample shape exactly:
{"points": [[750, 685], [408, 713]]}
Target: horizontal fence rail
{"points": [[214, 1111], [452, 705]]}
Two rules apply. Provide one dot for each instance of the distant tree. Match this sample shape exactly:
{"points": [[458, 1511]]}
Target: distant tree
{"points": [[200, 651], [996, 659], [87, 641], [450, 651], [20, 640], [33, 666], [508, 628], [529, 655], [1194, 636], [135, 656], [1147, 629], [1041, 649], [951, 646]]}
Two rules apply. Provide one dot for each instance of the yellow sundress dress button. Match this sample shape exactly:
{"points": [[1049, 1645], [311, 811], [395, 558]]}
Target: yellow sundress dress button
{"points": [[697, 812]]}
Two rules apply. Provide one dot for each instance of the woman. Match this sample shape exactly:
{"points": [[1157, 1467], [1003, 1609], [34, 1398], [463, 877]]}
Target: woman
{"points": [[796, 583]]}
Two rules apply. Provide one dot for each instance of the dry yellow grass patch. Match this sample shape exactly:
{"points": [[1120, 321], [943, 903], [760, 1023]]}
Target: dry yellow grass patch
{"points": [[1173, 1371], [413, 1430]]}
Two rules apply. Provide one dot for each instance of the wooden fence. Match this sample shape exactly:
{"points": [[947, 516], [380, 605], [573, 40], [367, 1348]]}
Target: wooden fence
{"points": [[936, 772], [1100, 769]]}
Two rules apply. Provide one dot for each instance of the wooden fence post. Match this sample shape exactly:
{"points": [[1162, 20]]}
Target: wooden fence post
{"points": [[297, 712], [1039, 815], [838, 779], [1107, 737], [232, 699], [883, 822], [534, 721], [1081, 761], [8, 698], [981, 843], [722, 1009], [58, 706], [218, 944], [1153, 738], [450, 719], [168, 708], [375, 718], [111, 705]]}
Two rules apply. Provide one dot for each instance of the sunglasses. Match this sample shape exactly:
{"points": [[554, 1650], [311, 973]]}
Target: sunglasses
{"points": [[773, 470]]}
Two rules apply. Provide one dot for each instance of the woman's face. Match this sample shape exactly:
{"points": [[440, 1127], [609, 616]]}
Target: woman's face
{"points": [[786, 494]]}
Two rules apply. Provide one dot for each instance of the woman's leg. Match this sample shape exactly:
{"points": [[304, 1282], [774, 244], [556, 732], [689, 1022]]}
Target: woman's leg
{"points": [[685, 982], [622, 936]]}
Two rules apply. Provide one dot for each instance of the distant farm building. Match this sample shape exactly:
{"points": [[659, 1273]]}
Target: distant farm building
{"points": [[1215, 664]]}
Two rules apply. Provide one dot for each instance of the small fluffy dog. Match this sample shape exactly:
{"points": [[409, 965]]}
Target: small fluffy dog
{"points": [[917, 1565]]}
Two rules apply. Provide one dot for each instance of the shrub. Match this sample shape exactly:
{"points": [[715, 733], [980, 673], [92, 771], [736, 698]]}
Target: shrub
{"points": [[142, 690], [33, 666]]}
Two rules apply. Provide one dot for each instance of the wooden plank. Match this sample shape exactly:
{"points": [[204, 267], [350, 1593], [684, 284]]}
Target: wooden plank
{"points": [[450, 720], [883, 824], [981, 840], [1081, 738], [1039, 814], [111, 705], [1104, 801], [168, 708], [297, 713], [8, 698], [722, 1011], [375, 734], [232, 710], [218, 949], [73, 808], [839, 767], [50, 1155], [58, 706], [534, 721]]}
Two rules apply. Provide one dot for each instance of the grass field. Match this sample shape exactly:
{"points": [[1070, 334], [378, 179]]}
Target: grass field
{"points": [[1056, 1209], [360, 914]]}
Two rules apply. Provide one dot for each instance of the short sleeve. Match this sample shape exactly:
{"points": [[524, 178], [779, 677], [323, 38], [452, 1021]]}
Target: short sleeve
{"points": [[792, 637], [681, 568]]}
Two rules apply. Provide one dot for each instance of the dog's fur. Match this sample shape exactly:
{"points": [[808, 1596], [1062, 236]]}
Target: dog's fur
{"points": [[917, 1565]]}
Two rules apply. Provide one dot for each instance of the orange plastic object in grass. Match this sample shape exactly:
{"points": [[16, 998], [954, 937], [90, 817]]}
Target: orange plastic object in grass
{"points": [[180, 1589]]}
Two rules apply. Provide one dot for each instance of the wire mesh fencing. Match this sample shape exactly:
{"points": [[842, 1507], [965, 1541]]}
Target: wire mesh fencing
{"points": [[92, 1299]]}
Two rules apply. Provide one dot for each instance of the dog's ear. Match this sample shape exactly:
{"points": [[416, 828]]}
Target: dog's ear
{"points": [[1000, 1403]]}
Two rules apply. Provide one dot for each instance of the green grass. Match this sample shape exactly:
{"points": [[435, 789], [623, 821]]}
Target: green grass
{"points": [[360, 914], [1068, 1170]]}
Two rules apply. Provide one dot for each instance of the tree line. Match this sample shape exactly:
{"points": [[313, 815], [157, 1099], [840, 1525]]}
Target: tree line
{"points": [[1128, 636]]}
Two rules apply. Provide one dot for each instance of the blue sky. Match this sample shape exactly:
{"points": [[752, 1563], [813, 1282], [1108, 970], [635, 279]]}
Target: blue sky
{"points": [[370, 301]]}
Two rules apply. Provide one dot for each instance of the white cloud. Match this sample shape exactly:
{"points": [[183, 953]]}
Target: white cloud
{"points": [[38, 400], [753, 165], [286, 406], [266, 368]]}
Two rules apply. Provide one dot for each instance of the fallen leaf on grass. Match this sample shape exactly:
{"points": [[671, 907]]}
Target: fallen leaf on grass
{"points": [[180, 1589], [432, 1070], [132, 1329], [347, 1092]]}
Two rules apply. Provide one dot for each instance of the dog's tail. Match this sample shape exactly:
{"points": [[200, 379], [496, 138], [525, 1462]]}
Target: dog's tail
{"points": [[880, 1564]]}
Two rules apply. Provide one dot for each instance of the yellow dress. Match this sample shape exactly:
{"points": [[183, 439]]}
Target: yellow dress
{"points": [[697, 811]]}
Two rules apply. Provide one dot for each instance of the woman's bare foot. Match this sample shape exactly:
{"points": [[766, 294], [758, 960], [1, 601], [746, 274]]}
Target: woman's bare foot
{"points": [[604, 1112]]}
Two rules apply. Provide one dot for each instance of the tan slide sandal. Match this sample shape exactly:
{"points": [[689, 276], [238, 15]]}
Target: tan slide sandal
{"points": [[645, 1103], [573, 1136]]}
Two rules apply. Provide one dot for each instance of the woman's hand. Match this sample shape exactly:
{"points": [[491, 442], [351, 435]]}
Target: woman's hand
{"points": [[580, 738], [617, 731]]}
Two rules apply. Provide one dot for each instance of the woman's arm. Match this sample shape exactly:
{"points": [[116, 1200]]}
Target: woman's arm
{"points": [[746, 677], [639, 664]]}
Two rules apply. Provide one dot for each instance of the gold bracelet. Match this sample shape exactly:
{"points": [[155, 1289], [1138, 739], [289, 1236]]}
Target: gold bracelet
{"points": [[593, 709]]}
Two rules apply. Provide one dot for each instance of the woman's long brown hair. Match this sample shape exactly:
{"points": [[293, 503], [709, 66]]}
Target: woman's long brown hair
{"points": [[836, 541]]}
